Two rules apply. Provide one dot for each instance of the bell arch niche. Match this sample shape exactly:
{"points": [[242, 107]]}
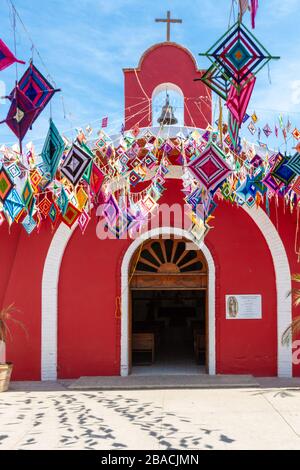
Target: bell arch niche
{"points": [[174, 95], [166, 62]]}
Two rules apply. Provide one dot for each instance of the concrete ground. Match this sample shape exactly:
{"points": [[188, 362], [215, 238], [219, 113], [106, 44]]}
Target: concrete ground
{"points": [[51, 416]]}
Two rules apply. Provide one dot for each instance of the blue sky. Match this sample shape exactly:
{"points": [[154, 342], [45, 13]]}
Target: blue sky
{"points": [[86, 43]]}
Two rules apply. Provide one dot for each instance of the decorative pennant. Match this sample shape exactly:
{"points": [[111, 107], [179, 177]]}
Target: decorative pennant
{"points": [[296, 134], [104, 122], [267, 130], [7, 58], [254, 8], [252, 128]]}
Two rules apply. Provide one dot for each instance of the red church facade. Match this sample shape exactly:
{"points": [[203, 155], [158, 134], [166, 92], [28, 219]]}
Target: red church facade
{"points": [[74, 292]]}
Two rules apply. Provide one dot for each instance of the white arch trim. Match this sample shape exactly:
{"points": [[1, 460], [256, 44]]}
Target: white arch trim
{"points": [[50, 296], [50, 301], [125, 294]]}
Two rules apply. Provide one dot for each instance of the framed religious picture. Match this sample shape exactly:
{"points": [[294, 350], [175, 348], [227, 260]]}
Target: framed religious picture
{"points": [[243, 307]]}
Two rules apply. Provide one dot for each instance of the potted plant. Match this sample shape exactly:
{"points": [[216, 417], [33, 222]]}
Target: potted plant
{"points": [[294, 329], [6, 316]]}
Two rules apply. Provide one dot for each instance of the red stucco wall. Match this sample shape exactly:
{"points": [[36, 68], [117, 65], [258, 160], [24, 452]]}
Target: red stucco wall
{"points": [[89, 333], [23, 259]]}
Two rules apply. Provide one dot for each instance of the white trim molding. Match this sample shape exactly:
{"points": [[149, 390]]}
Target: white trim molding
{"points": [[50, 282], [125, 292]]}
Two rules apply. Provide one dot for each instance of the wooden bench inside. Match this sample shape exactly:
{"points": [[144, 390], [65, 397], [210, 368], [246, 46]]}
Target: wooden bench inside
{"points": [[144, 342]]}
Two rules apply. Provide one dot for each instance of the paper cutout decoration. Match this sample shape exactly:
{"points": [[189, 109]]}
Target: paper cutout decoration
{"points": [[21, 114], [267, 130], [210, 167], [252, 128], [296, 134], [104, 122], [75, 164], [53, 149], [36, 88], [6, 185], [238, 54], [246, 117], [7, 58]]}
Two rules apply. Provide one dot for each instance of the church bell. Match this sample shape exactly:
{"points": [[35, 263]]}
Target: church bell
{"points": [[167, 117]]}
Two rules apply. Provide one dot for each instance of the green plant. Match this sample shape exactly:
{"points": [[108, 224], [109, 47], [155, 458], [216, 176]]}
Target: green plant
{"points": [[294, 328], [7, 316]]}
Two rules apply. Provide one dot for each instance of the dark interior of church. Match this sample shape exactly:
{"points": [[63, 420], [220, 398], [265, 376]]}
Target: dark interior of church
{"points": [[168, 327]]}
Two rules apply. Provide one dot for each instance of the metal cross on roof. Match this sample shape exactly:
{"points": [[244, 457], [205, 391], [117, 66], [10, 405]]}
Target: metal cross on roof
{"points": [[168, 20]]}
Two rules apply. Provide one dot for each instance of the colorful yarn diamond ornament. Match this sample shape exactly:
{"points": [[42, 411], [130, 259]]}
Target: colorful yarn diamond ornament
{"points": [[36, 88], [75, 164], [7, 58], [21, 113], [239, 55], [210, 167], [53, 149]]}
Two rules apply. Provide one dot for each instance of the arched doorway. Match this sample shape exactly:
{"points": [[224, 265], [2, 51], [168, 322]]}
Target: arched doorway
{"points": [[168, 282]]}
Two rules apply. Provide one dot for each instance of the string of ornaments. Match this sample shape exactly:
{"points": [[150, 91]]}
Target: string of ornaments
{"points": [[126, 174]]}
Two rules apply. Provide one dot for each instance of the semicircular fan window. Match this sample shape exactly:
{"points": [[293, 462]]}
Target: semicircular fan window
{"points": [[168, 256]]}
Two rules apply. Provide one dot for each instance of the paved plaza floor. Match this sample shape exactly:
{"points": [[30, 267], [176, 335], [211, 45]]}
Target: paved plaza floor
{"points": [[51, 416]]}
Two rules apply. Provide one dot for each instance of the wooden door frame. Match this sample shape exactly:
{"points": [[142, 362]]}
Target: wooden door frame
{"points": [[125, 294]]}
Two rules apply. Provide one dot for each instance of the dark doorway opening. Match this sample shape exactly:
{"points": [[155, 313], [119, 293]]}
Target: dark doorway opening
{"points": [[169, 328]]}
